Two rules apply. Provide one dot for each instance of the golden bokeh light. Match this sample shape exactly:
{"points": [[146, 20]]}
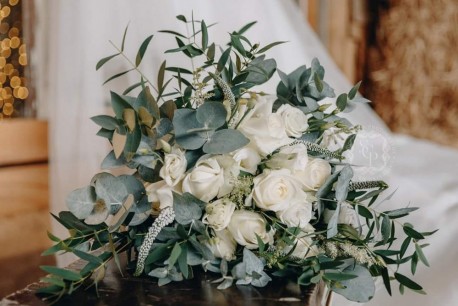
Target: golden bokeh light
{"points": [[13, 58]]}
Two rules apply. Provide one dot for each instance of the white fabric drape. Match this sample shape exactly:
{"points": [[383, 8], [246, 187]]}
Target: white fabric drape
{"points": [[75, 34]]}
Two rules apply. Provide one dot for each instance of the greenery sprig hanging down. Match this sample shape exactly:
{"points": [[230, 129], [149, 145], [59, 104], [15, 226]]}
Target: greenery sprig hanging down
{"points": [[231, 180]]}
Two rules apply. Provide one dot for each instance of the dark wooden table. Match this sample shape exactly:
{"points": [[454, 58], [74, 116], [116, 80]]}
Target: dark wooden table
{"points": [[131, 291]]}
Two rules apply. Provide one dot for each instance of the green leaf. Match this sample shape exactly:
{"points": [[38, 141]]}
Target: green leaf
{"points": [[81, 202], [184, 120], [187, 208], [65, 274], [354, 91], [161, 75], [237, 44], [386, 228], [104, 60], [173, 33], [225, 141], [223, 59], [404, 280], [88, 257], [318, 82], [404, 246], [119, 104], [332, 229], [117, 76], [398, 213], [412, 233], [124, 37], [182, 18], [211, 115], [142, 50], [386, 280], [53, 280], [338, 276], [178, 69], [204, 30], [360, 289], [421, 255], [246, 27], [269, 46], [342, 183], [176, 251], [363, 211], [341, 102], [348, 143], [183, 260]]}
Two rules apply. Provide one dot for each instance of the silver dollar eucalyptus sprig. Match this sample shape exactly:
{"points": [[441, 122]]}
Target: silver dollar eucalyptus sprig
{"points": [[166, 216]]}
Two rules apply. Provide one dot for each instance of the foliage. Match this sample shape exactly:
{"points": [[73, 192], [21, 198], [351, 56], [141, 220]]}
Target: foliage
{"points": [[200, 117]]}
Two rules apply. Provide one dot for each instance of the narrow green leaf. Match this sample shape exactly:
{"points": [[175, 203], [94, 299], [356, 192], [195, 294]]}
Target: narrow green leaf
{"points": [[131, 87], [386, 280], [404, 246], [88, 257], [65, 274], [204, 30], [176, 251], [339, 276], [53, 280], [142, 50], [269, 46], [104, 60], [178, 69], [173, 33], [237, 44], [223, 59], [107, 122], [161, 75], [119, 104], [211, 52], [341, 101], [124, 37], [352, 93], [386, 228], [183, 261], [246, 27], [412, 233], [318, 82], [404, 280], [117, 76], [421, 255]]}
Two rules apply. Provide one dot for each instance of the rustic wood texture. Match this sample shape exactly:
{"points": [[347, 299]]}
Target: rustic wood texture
{"points": [[23, 141], [24, 198], [342, 27], [200, 291]]}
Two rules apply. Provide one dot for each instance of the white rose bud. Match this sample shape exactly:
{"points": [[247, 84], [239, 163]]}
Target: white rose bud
{"points": [[244, 227], [299, 213], [248, 159], [205, 180], [315, 173], [275, 189], [218, 214], [174, 167], [347, 215], [266, 130], [295, 120], [223, 245]]}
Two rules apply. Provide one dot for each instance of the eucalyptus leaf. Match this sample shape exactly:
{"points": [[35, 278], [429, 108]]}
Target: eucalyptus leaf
{"points": [[211, 115], [225, 141], [187, 208], [81, 202], [360, 289], [142, 50]]}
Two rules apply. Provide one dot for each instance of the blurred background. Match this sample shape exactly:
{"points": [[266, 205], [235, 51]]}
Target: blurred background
{"points": [[404, 51]]}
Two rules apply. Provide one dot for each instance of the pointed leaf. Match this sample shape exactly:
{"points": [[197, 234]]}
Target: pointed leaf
{"points": [[142, 50], [104, 60]]}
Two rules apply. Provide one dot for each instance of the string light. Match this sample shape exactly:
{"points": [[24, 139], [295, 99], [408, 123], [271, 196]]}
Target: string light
{"points": [[13, 59]]}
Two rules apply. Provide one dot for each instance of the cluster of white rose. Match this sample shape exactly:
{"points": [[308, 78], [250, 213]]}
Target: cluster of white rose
{"points": [[286, 183]]}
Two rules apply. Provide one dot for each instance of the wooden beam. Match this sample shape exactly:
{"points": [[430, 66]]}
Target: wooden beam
{"points": [[23, 141]]}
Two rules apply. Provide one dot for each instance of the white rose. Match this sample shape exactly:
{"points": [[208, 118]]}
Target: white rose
{"points": [[294, 158], [160, 195], [231, 170], [218, 214], [299, 213], [174, 167], [266, 130], [205, 180], [294, 119], [248, 159], [275, 189], [347, 215], [223, 245], [244, 227], [315, 173]]}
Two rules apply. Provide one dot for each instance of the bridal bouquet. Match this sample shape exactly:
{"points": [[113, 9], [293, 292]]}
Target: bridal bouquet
{"points": [[227, 179]]}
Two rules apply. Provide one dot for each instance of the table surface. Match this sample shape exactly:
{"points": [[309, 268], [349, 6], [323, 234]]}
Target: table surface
{"points": [[128, 290]]}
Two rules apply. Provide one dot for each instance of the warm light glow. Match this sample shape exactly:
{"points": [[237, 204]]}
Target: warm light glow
{"points": [[13, 58]]}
